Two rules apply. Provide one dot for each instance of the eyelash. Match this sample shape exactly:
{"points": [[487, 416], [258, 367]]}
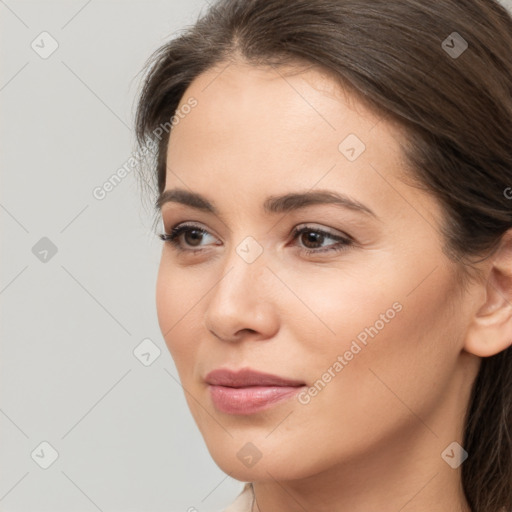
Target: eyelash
{"points": [[343, 242]]}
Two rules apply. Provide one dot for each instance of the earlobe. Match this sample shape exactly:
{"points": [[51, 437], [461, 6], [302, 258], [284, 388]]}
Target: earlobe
{"points": [[490, 330]]}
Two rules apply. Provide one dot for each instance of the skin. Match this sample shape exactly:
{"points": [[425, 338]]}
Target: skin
{"points": [[372, 438]]}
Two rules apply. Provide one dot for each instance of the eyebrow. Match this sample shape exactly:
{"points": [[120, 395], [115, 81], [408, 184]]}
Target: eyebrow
{"points": [[273, 204]]}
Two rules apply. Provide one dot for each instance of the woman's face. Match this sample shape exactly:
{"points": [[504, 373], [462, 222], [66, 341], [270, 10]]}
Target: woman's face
{"points": [[373, 328]]}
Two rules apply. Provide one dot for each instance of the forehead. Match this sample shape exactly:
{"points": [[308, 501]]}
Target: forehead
{"points": [[268, 113], [262, 131], [278, 95]]}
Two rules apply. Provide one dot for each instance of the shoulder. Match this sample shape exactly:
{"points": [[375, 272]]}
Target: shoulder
{"points": [[243, 501]]}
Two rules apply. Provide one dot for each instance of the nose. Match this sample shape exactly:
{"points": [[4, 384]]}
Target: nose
{"points": [[243, 302]]}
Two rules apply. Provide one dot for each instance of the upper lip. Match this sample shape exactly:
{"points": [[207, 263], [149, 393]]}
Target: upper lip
{"points": [[247, 377]]}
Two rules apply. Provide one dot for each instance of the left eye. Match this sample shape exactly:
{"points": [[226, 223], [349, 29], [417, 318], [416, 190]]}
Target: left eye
{"points": [[318, 236], [314, 236]]}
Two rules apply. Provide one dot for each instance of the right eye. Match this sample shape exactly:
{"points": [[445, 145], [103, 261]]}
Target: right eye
{"points": [[173, 238]]}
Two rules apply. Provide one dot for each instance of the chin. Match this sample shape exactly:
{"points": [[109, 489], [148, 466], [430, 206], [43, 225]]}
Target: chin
{"points": [[243, 463]]}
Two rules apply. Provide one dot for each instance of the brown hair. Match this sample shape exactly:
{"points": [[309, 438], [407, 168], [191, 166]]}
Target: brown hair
{"points": [[456, 111]]}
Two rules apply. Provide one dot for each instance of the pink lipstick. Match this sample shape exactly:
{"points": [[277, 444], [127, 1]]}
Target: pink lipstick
{"points": [[248, 391]]}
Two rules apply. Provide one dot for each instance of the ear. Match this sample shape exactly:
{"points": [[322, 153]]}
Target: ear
{"points": [[490, 331]]}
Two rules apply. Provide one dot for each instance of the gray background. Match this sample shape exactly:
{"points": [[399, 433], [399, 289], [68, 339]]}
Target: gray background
{"points": [[71, 320]]}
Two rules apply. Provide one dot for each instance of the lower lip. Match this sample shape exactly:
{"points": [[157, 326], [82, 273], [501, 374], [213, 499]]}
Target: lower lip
{"points": [[250, 400]]}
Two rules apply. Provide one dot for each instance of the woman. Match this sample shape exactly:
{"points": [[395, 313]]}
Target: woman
{"points": [[334, 182]]}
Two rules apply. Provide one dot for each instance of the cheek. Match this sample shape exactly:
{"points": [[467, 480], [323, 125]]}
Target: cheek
{"points": [[332, 307], [396, 348], [380, 322], [175, 307], [165, 301]]}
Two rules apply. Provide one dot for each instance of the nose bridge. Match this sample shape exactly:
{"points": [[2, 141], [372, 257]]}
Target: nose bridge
{"points": [[244, 288], [245, 266], [241, 299]]}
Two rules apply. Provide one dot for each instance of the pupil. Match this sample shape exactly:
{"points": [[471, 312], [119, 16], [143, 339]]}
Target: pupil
{"points": [[313, 237], [197, 236]]}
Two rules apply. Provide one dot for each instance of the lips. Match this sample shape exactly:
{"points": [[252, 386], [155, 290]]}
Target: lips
{"points": [[247, 377], [248, 391]]}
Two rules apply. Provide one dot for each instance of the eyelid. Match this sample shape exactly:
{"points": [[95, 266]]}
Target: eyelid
{"points": [[342, 241], [335, 233], [307, 225]]}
